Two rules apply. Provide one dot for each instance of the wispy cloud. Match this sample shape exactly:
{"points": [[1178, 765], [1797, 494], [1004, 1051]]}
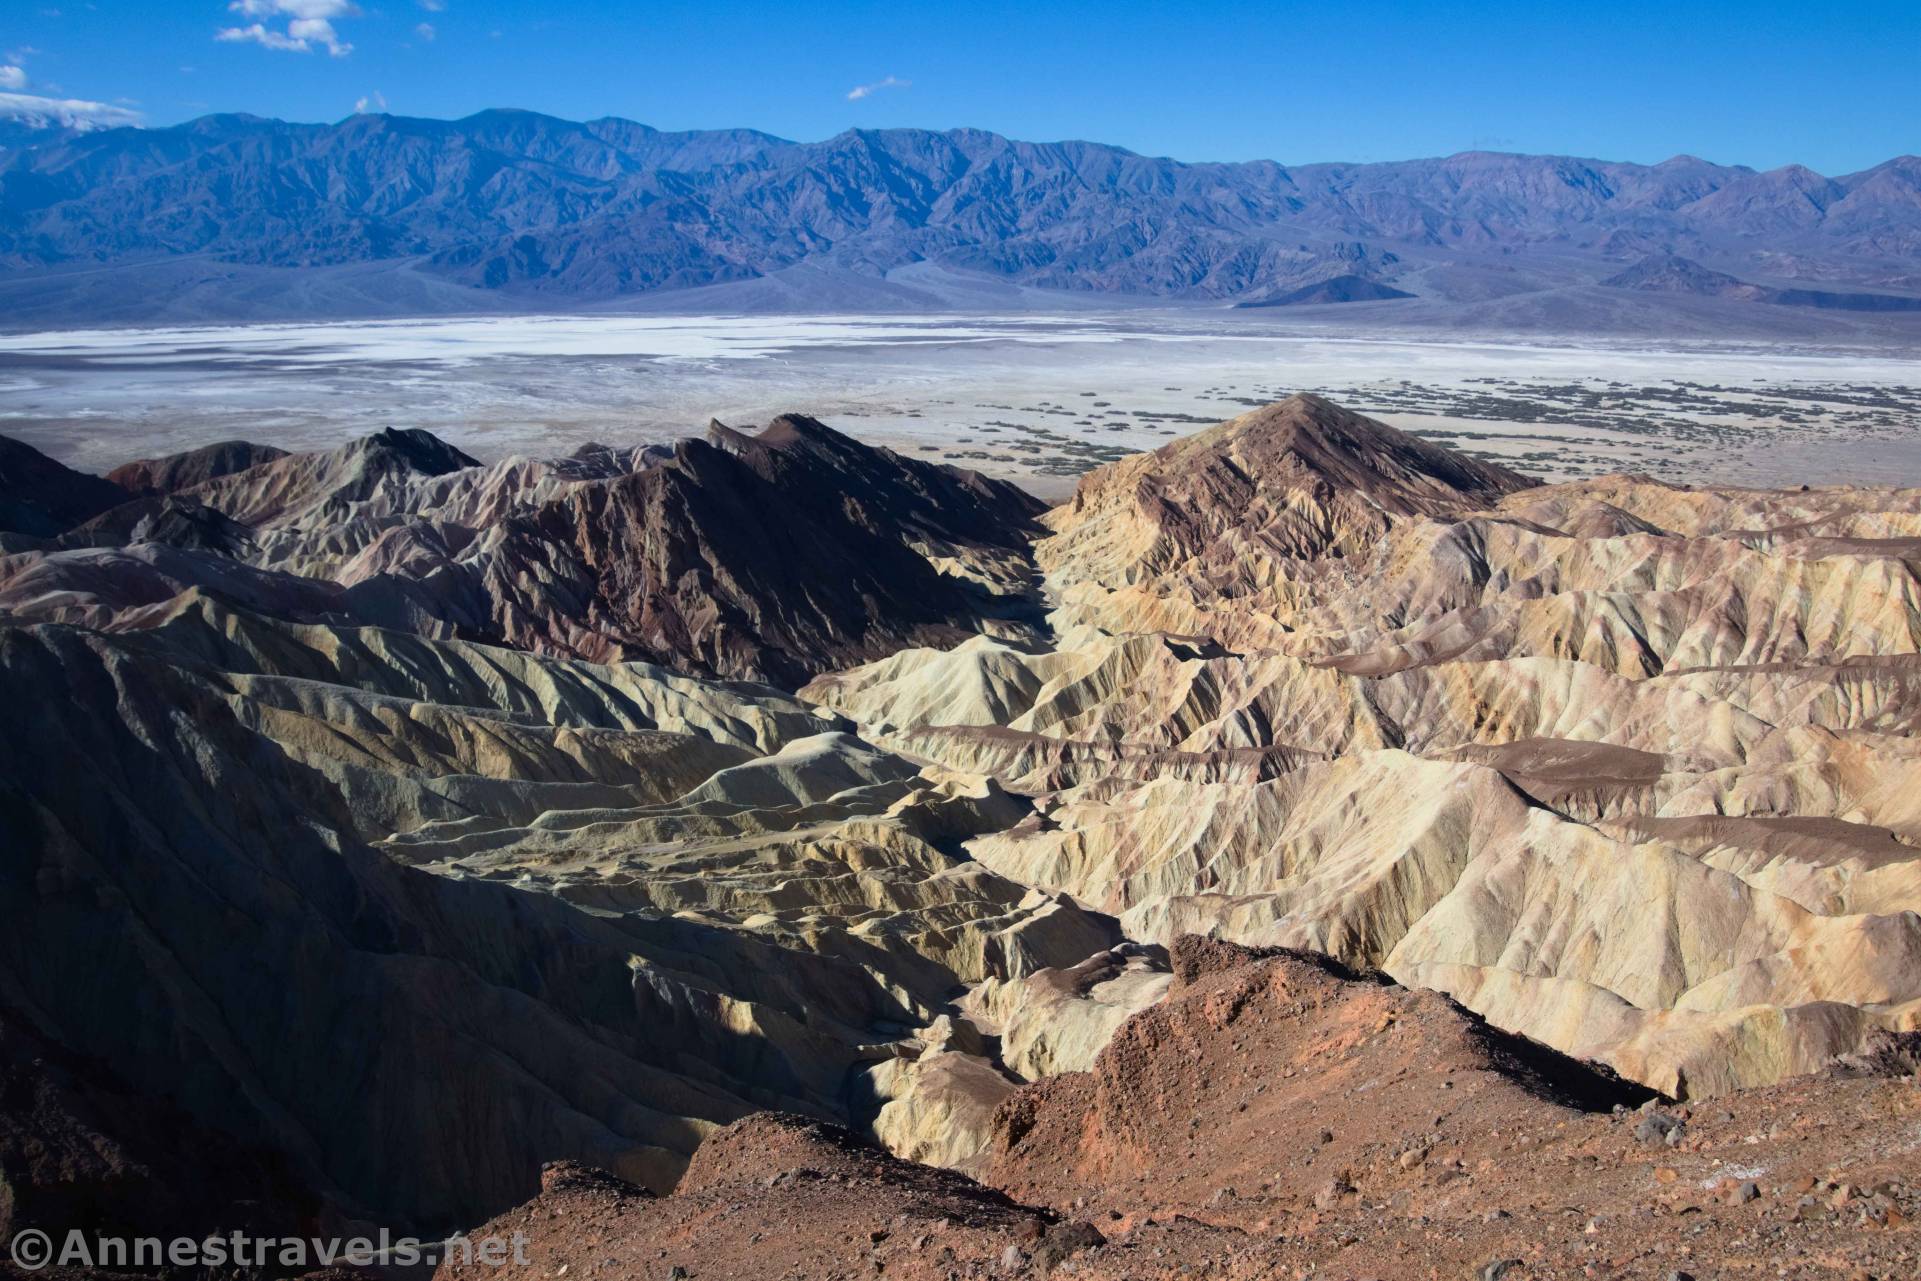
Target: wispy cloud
{"points": [[867, 91], [310, 25], [375, 101], [70, 113], [433, 6], [260, 35], [426, 31]]}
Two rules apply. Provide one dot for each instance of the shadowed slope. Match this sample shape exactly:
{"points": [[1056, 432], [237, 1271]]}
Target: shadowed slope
{"points": [[41, 498], [770, 557]]}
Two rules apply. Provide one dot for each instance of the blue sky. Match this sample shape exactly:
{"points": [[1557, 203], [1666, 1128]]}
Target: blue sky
{"points": [[1761, 83]]}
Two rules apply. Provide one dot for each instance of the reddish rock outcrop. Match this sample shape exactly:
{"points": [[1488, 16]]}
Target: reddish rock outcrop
{"points": [[171, 473]]}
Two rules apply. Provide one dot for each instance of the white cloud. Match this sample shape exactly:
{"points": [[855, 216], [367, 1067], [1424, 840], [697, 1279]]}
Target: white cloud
{"points": [[320, 31], [71, 113], [375, 101], [12, 77], [434, 6], [310, 23], [260, 35], [867, 91], [426, 31], [294, 8]]}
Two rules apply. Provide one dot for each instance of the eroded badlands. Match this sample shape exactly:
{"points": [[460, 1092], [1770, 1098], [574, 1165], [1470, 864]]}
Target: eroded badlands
{"points": [[422, 822]]}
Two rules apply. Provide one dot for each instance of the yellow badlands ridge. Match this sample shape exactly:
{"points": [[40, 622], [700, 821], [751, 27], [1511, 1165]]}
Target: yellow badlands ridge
{"points": [[1624, 766]]}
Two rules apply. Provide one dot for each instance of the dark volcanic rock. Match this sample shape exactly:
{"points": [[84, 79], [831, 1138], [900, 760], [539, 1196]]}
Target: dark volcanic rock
{"points": [[40, 497], [1666, 273], [1333, 290], [770, 557], [1670, 273], [178, 522]]}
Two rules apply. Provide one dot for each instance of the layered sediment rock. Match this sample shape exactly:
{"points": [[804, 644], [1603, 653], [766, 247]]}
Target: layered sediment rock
{"points": [[175, 472], [362, 890], [1315, 684], [392, 803]]}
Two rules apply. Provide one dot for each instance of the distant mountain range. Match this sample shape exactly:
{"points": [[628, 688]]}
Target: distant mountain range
{"points": [[237, 215]]}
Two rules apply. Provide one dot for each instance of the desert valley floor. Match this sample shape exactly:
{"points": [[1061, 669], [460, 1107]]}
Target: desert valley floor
{"points": [[1263, 842], [1039, 399]]}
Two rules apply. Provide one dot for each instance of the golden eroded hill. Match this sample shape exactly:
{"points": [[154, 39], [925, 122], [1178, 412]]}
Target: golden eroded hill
{"points": [[1621, 765]]}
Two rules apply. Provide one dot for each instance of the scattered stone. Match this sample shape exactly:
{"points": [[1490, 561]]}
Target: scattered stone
{"points": [[1655, 1127], [1063, 1241], [1331, 1193]]}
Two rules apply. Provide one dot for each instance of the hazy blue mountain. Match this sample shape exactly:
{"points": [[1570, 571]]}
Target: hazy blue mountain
{"points": [[514, 204]]}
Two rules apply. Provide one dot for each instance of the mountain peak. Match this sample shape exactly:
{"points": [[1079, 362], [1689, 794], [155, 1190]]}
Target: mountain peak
{"points": [[1298, 480], [1310, 437], [420, 450], [785, 432]]}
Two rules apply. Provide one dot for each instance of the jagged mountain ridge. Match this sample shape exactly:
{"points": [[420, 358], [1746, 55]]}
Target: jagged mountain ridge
{"points": [[767, 557], [528, 204]]}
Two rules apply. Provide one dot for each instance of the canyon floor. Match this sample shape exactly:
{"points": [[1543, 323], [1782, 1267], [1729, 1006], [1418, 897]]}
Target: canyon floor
{"points": [[1306, 849]]}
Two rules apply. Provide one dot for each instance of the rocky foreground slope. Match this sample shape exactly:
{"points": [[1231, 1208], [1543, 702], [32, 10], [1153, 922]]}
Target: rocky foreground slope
{"points": [[1278, 1118], [396, 823]]}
